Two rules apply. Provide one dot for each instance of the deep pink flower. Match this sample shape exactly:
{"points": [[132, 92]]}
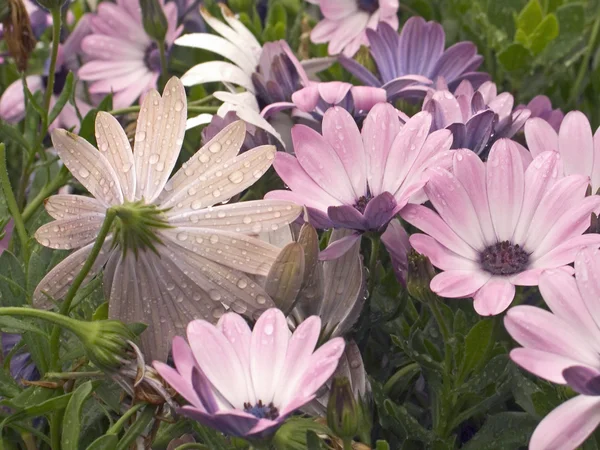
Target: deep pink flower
{"points": [[243, 382], [360, 180], [578, 148], [346, 21], [562, 346], [122, 58], [541, 106], [500, 224]]}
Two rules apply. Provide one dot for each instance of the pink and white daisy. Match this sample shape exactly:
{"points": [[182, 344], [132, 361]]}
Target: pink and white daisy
{"points": [[121, 57], [501, 223], [346, 21], [246, 382], [360, 180], [578, 148], [562, 346], [174, 252]]}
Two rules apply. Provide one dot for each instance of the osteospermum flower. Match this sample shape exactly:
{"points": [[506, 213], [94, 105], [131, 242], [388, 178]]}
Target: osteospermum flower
{"points": [[171, 255], [122, 58], [541, 106], [359, 180], [410, 62], [246, 382], [562, 347], [346, 21], [578, 148], [501, 223], [476, 118]]}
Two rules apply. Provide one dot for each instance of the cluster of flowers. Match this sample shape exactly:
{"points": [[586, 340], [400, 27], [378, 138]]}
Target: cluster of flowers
{"points": [[493, 213]]}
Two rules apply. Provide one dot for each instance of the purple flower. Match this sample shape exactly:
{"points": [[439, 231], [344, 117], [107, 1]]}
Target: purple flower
{"points": [[410, 62], [122, 58], [188, 14], [21, 365], [246, 382], [540, 106], [476, 118]]}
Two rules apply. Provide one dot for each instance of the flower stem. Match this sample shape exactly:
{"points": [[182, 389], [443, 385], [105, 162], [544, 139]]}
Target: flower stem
{"points": [[49, 316], [12, 205], [163, 59], [373, 259], [584, 68], [202, 100], [124, 418], [87, 266], [56, 24], [347, 444], [57, 182]]}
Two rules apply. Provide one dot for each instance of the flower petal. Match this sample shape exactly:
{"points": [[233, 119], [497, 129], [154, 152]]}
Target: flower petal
{"points": [[546, 365], [217, 71], [494, 296], [70, 233], [582, 379], [459, 283], [576, 143], [540, 136], [63, 206], [439, 255]]}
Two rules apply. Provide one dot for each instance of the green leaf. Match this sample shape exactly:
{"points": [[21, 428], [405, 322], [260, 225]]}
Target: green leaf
{"points": [[106, 442], [312, 441], [63, 98], [12, 324], [544, 33], [33, 101], [515, 57], [72, 418], [8, 386], [36, 271], [503, 431], [51, 405], [101, 312], [10, 133], [382, 445], [12, 280], [493, 372], [477, 345], [530, 17], [137, 428]]}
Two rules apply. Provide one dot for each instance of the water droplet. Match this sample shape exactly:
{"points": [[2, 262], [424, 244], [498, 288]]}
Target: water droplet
{"points": [[269, 329], [214, 147], [242, 283], [215, 295], [182, 236], [247, 219], [216, 193], [84, 173], [154, 158], [140, 136], [178, 105], [214, 239], [236, 177], [261, 299]]}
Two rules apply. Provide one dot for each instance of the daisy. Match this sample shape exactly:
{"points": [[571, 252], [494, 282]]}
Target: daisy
{"points": [[246, 382], [578, 148], [475, 117], [171, 255], [410, 62], [562, 346], [501, 223], [359, 180], [121, 57], [346, 22]]}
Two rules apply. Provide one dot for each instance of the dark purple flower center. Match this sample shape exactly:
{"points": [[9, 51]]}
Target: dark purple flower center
{"points": [[369, 6], [362, 203], [262, 411], [504, 258], [152, 58]]}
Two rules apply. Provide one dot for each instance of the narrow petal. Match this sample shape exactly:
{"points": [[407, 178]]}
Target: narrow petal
{"points": [[540, 136], [380, 210], [347, 216], [494, 297], [64, 206], [339, 248], [576, 143], [70, 233], [565, 252], [217, 71], [459, 283], [546, 365], [439, 255], [321, 366], [582, 379]]}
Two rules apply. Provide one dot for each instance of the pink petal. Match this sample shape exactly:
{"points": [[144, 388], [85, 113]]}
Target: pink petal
{"points": [[365, 97], [565, 252], [109, 48], [576, 143], [444, 108], [321, 366], [548, 366], [439, 255], [540, 136], [459, 283], [333, 92], [567, 426], [494, 297], [232, 422], [182, 385], [323, 31], [596, 168], [307, 98], [587, 273], [337, 9], [347, 29]]}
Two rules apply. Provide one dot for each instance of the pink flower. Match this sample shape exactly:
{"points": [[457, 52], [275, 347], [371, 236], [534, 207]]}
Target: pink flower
{"points": [[346, 22], [243, 382], [562, 346], [500, 224], [122, 58], [579, 150], [360, 180]]}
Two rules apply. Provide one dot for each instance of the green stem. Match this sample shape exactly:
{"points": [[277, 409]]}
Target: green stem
{"points": [[73, 375], [192, 446], [56, 429], [56, 24], [583, 69], [202, 101], [124, 418], [89, 262], [12, 205], [163, 59], [49, 316], [347, 443], [56, 183], [373, 259]]}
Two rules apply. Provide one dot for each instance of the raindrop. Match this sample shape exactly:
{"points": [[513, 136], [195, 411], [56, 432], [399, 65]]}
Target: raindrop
{"points": [[242, 283], [84, 173], [215, 295], [247, 219], [140, 136], [182, 236], [236, 177], [214, 147], [178, 105], [214, 239], [261, 299], [154, 158]]}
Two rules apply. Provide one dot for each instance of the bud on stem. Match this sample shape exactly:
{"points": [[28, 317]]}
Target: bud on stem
{"points": [[342, 410]]}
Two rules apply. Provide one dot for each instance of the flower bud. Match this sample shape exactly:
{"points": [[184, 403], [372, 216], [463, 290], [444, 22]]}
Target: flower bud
{"points": [[106, 343], [420, 273], [342, 410], [154, 19], [18, 34]]}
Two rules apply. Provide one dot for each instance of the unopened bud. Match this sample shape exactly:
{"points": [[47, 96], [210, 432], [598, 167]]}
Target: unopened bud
{"points": [[154, 19], [106, 343], [420, 274], [18, 34], [342, 410]]}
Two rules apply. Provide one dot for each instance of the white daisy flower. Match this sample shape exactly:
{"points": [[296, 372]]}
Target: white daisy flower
{"points": [[172, 256]]}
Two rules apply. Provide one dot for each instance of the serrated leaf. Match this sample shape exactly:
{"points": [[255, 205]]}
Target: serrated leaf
{"points": [[63, 98], [530, 17], [72, 417], [12, 280], [515, 57], [544, 33], [493, 372], [503, 431]]}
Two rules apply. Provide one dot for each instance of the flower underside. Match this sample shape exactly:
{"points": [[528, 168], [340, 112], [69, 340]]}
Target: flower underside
{"points": [[369, 6], [504, 258], [362, 202], [262, 411]]}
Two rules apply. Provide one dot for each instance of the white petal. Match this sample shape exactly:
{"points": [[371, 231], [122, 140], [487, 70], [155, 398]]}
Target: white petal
{"points": [[217, 71], [73, 232], [248, 39], [63, 206], [89, 166], [222, 182], [254, 118], [114, 145], [221, 148], [234, 250], [158, 138], [196, 121]]}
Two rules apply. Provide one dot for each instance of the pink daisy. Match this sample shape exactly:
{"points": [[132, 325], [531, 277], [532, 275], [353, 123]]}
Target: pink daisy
{"points": [[246, 382], [500, 224], [578, 148], [562, 346], [346, 22], [122, 58]]}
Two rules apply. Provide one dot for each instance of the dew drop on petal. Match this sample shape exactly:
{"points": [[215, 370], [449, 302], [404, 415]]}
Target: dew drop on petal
{"points": [[154, 158], [214, 239], [178, 105], [236, 177], [261, 299], [140, 136], [182, 236], [84, 173], [247, 219], [215, 295], [242, 283], [214, 147]]}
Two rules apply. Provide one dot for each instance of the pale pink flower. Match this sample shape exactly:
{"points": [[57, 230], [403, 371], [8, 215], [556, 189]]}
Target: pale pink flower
{"points": [[122, 58], [346, 22], [578, 148], [246, 382], [500, 224], [360, 180], [562, 346]]}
